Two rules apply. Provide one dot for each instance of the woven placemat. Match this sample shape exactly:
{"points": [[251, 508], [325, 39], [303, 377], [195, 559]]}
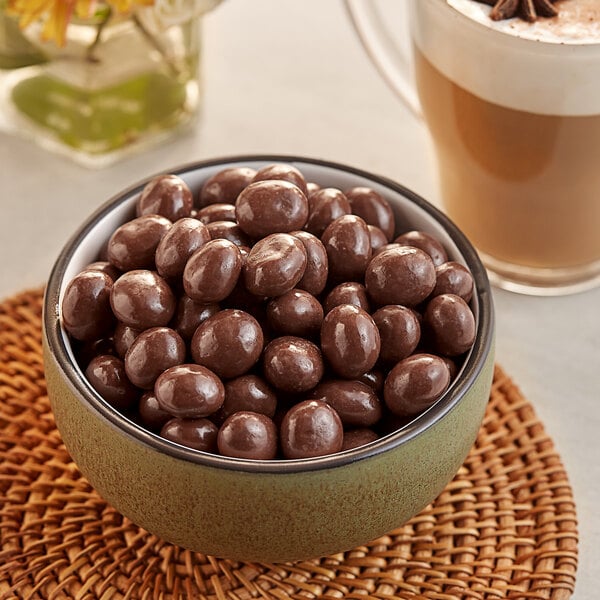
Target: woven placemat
{"points": [[505, 527]]}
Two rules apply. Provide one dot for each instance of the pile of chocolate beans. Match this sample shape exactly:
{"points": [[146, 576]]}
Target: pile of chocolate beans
{"points": [[264, 317]]}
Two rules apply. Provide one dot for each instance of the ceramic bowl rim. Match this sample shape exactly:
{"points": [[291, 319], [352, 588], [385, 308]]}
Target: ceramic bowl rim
{"points": [[470, 371]]}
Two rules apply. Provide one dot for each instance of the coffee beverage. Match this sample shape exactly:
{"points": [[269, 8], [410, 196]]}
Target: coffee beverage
{"points": [[514, 111]]}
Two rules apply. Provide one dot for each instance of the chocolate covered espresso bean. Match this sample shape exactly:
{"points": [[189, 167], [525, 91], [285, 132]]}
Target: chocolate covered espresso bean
{"points": [[348, 247], [216, 212], [224, 186], [311, 428], [212, 271], [415, 383], [292, 364], [316, 272], [248, 435], [267, 207], [356, 403], [295, 313], [450, 323], [275, 265], [178, 244], [282, 172], [453, 278], [350, 341], [152, 352], [325, 206], [107, 375], [228, 343], [199, 434], [142, 299], [426, 242], [249, 393], [350, 292], [133, 245], [400, 275], [86, 311], [399, 330], [189, 391], [166, 195], [373, 208]]}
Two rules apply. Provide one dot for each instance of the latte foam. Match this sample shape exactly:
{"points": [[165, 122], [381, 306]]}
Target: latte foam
{"points": [[578, 22], [549, 67]]}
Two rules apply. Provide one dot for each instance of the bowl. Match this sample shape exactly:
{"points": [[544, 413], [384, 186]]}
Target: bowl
{"points": [[278, 510]]}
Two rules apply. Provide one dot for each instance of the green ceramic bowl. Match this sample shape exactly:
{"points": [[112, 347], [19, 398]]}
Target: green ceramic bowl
{"points": [[267, 510]]}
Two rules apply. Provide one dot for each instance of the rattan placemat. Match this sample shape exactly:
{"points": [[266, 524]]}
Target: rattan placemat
{"points": [[505, 527]]}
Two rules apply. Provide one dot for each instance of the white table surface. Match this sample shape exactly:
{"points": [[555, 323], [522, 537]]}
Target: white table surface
{"points": [[290, 77]]}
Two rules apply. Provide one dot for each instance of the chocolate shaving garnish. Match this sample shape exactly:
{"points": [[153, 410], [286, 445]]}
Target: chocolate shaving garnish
{"points": [[528, 10]]}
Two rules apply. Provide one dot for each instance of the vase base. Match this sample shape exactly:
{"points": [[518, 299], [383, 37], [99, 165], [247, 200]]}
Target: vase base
{"points": [[96, 128]]}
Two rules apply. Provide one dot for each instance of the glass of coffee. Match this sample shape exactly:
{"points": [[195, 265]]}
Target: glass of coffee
{"points": [[513, 108]]}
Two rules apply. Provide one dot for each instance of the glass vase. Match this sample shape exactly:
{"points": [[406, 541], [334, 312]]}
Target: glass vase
{"points": [[118, 85]]}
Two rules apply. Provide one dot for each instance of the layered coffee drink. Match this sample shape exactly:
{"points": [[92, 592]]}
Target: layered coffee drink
{"points": [[514, 111]]}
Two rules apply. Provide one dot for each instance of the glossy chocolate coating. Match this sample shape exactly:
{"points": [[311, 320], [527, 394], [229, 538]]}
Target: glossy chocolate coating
{"points": [[105, 267], [223, 187], [152, 352], [415, 383], [373, 208], [123, 337], [133, 244], [199, 434], [350, 292], [151, 414], [228, 230], [311, 428], [292, 364], [356, 403], [400, 275], [248, 434], [106, 374], [426, 242], [189, 391], [212, 272], [295, 313], [250, 393], [354, 438], [350, 341], [275, 265], [228, 343], [312, 187], [453, 278], [142, 299], [315, 275], [216, 212], [378, 238], [450, 323], [86, 311], [348, 247], [282, 172], [178, 244], [325, 206], [267, 207], [166, 195], [373, 379], [190, 314], [399, 330]]}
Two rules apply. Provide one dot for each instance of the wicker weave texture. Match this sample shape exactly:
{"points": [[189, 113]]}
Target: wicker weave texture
{"points": [[505, 527]]}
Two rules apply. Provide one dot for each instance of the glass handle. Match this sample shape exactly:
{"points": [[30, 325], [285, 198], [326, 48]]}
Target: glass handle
{"points": [[391, 59]]}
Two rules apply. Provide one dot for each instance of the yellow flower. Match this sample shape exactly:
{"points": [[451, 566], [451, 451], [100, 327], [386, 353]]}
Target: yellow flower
{"points": [[56, 14]]}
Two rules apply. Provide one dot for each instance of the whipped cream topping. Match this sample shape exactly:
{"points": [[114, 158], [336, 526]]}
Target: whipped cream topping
{"points": [[578, 22], [526, 70]]}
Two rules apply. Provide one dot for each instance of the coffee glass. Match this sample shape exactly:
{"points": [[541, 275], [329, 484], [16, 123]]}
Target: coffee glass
{"points": [[513, 109]]}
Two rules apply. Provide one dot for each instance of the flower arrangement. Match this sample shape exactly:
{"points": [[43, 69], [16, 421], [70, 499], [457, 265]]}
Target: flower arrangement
{"points": [[57, 14], [95, 79]]}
